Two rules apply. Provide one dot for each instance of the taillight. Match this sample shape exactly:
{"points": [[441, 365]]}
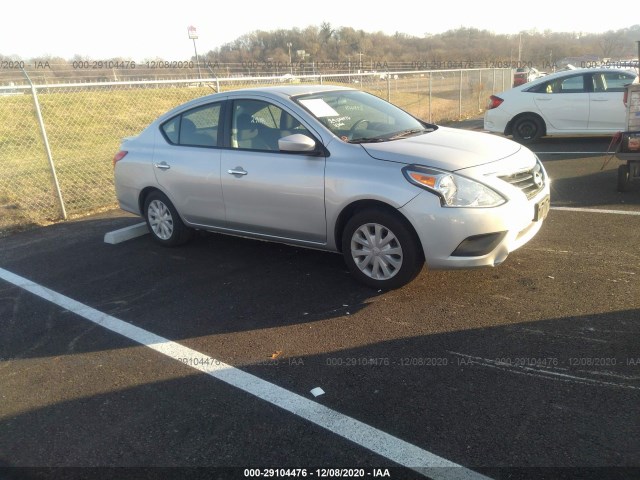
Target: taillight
{"points": [[494, 102], [119, 156]]}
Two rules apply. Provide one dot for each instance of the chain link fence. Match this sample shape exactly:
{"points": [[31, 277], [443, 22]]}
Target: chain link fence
{"points": [[57, 141]]}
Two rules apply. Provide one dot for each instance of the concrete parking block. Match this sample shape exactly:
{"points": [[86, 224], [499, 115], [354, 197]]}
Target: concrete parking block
{"points": [[127, 233]]}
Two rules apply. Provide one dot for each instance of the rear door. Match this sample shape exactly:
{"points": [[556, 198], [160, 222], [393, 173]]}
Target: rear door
{"points": [[187, 164], [607, 111]]}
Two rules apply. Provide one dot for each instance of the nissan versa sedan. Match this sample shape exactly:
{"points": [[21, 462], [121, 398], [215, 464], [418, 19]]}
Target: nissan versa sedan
{"points": [[574, 102], [336, 169]]}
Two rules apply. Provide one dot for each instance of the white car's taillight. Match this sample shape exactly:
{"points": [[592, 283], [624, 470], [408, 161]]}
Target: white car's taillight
{"points": [[494, 102]]}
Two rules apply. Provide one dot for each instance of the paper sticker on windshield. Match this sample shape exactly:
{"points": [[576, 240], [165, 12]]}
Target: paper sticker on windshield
{"points": [[338, 122], [319, 107]]}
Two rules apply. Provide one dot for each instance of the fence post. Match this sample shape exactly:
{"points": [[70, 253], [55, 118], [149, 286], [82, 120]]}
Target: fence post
{"points": [[493, 83], [45, 140], [429, 77], [388, 87], [460, 98], [480, 89]]}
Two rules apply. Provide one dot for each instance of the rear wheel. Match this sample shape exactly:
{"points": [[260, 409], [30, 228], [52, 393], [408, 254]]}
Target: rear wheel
{"points": [[527, 129], [381, 250], [164, 223]]}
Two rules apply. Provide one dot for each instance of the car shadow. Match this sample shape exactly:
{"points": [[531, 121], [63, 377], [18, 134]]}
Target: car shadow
{"points": [[214, 285], [593, 145]]}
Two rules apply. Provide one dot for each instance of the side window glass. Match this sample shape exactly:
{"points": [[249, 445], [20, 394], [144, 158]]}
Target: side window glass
{"points": [[171, 130], [199, 127], [258, 125], [573, 84], [540, 88], [614, 81]]}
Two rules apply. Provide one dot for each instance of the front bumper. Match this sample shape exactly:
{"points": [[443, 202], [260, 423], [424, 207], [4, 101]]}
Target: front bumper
{"points": [[442, 230]]}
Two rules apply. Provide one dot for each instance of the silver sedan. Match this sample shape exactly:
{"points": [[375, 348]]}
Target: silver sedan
{"points": [[336, 169]]}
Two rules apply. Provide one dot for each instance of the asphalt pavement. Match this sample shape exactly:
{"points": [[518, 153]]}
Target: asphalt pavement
{"points": [[133, 355]]}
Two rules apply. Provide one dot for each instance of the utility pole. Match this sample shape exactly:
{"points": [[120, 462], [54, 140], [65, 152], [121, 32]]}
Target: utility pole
{"points": [[193, 35], [519, 48]]}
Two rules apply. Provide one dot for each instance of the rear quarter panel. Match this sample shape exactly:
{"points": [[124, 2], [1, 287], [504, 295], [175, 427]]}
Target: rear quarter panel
{"points": [[135, 171]]}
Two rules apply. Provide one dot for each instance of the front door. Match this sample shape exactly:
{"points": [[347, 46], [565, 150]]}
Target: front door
{"points": [[266, 191]]}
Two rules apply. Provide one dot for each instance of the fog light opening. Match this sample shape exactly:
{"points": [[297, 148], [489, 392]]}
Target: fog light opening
{"points": [[479, 245]]}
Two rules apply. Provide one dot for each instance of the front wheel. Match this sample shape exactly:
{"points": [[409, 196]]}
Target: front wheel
{"points": [[527, 129], [381, 250], [164, 223]]}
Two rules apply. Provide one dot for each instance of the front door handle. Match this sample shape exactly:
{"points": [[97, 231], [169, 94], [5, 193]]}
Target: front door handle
{"points": [[162, 166], [237, 171]]}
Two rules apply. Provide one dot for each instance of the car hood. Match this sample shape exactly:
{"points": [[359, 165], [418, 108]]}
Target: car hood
{"points": [[445, 148]]}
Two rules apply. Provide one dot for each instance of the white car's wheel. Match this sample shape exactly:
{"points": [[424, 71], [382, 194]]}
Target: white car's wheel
{"points": [[527, 129]]}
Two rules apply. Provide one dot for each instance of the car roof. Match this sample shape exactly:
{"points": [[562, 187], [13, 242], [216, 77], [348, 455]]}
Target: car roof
{"points": [[289, 90], [578, 71]]}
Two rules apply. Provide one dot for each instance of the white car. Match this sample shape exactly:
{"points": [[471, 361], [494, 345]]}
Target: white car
{"points": [[575, 102]]}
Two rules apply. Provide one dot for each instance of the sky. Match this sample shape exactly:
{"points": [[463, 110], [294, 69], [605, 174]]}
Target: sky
{"points": [[140, 30]]}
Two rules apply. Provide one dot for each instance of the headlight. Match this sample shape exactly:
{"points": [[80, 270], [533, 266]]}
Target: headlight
{"points": [[454, 190]]}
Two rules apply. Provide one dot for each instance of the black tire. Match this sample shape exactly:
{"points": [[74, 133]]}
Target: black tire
{"points": [[527, 129], [397, 259], [164, 222], [623, 178]]}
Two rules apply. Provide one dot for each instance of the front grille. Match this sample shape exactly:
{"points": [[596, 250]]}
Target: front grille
{"points": [[530, 182]]}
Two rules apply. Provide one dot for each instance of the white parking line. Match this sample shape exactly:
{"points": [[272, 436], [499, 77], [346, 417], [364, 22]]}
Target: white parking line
{"points": [[596, 210], [127, 233], [377, 441]]}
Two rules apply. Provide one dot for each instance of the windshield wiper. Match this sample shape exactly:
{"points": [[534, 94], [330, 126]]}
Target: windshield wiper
{"points": [[369, 140], [395, 136], [409, 132]]}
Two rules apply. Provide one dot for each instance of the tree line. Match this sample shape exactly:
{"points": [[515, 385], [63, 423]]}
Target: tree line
{"points": [[328, 48], [325, 43]]}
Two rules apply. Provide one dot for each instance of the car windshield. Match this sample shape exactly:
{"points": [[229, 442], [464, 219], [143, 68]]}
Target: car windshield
{"points": [[359, 117]]}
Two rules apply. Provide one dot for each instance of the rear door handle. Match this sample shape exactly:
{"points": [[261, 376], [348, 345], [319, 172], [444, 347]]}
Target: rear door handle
{"points": [[237, 171], [162, 166]]}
